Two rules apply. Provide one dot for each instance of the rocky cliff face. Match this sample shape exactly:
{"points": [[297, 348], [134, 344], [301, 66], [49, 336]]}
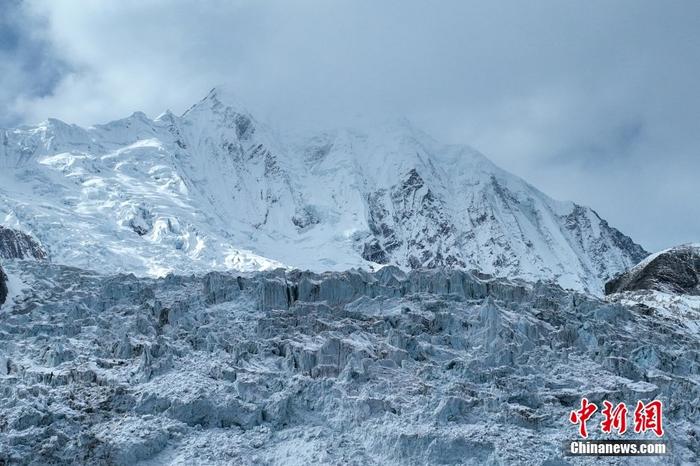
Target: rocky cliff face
{"points": [[3, 286], [425, 367], [15, 244], [215, 189], [675, 270]]}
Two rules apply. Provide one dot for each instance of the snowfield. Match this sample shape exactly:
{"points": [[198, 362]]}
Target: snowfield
{"points": [[290, 367], [214, 189]]}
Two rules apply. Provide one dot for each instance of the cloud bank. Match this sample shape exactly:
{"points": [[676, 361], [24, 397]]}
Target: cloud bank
{"points": [[592, 101]]}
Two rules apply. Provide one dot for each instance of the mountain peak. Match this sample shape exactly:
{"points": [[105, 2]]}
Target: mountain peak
{"points": [[217, 189], [225, 94], [220, 97]]}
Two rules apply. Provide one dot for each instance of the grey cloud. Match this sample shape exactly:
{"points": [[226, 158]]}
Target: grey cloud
{"points": [[28, 66], [593, 101]]}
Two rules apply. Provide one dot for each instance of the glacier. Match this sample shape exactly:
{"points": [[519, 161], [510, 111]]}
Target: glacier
{"points": [[214, 189], [292, 367]]}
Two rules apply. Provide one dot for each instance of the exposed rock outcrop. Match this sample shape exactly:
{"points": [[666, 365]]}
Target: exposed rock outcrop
{"points": [[15, 244], [675, 270], [3, 286]]}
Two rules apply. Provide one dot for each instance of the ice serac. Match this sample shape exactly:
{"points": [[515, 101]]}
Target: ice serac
{"points": [[674, 270], [215, 189], [393, 367]]}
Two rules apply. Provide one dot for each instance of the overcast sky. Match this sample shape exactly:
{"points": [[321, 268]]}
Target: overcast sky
{"points": [[592, 101]]}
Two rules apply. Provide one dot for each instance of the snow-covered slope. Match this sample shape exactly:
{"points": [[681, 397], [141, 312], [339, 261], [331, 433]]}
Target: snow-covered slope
{"points": [[215, 189]]}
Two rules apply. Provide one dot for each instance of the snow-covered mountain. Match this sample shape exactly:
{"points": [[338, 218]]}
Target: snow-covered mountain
{"points": [[216, 189]]}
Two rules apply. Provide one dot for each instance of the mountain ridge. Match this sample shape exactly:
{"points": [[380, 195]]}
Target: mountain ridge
{"points": [[215, 189]]}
